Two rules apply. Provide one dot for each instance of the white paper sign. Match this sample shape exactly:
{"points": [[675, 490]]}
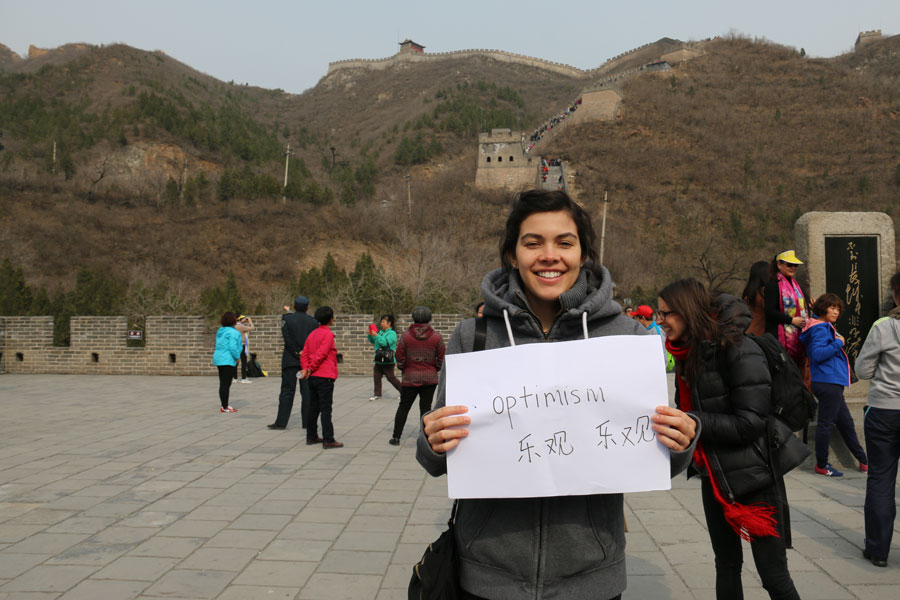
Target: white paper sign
{"points": [[559, 419]]}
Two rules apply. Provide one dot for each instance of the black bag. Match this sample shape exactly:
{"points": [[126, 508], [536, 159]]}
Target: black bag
{"points": [[384, 355], [436, 576], [792, 402], [253, 367]]}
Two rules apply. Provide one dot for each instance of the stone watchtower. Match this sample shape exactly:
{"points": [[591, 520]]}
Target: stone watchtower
{"points": [[866, 37], [408, 45], [502, 161]]}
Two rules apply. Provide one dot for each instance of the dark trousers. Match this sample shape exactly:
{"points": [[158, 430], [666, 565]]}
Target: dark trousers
{"points": [[286, 397], [226, 374], [769, 553], [320, 399], [882, 429], [833, 411], [243, 366], [407, 397], [467, 596], [387, 371]]}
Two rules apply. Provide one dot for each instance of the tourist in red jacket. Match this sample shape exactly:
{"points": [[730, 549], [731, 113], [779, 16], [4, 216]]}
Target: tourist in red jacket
{"points": [[319, 363], [420, 355]]}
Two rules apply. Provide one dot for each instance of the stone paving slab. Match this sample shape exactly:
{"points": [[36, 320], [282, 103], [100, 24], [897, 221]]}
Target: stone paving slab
{"points": [[138, 488]]}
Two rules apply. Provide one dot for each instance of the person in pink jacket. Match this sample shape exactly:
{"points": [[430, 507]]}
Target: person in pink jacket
{"points": [[318, 362]]}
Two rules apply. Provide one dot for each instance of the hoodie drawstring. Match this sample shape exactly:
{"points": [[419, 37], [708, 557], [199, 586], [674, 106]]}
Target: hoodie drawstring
{"points": [[512, 341]]}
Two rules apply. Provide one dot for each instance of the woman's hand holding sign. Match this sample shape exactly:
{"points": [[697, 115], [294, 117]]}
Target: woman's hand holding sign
{"points": [[437, 424], [674, 428]]}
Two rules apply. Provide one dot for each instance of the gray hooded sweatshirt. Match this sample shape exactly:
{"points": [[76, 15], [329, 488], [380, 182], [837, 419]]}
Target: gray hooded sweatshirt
{"points": [[570, 547], [879, 360]]}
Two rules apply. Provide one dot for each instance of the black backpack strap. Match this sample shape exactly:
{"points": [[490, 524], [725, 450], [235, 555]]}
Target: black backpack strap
{"points": [[778, 482], [480, 334]]}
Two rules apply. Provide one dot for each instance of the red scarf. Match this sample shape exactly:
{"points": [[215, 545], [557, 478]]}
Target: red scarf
{"points": [[749, 521]]}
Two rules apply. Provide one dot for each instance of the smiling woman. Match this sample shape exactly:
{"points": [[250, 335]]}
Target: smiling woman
{"points": [[550, 288]]}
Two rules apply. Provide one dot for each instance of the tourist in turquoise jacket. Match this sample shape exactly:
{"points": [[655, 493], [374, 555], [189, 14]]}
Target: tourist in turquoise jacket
{"points": [[384, 338], [225, 357]]}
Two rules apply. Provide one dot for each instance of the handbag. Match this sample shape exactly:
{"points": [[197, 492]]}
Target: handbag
{"points": [[436, 576], [384, 355]]}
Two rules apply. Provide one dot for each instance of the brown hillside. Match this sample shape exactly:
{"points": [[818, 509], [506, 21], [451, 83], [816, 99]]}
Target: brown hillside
{"points": [[717, 156], [724, 152]]}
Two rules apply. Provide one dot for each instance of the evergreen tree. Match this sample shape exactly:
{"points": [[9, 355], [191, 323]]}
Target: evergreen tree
{"points": [[15, 295]]}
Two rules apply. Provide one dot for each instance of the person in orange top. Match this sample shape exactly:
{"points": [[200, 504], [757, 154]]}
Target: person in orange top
{"points": [[318, 362]]}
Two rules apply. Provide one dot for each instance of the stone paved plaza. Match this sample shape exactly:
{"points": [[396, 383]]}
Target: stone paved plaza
{"points": [[137, 487]]}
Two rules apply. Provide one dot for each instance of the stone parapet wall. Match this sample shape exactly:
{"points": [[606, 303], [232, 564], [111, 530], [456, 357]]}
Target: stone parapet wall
{"points": [[174, 345], [501, 55]]}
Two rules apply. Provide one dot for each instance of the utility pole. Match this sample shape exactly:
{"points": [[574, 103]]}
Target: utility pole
{"points": [[53, 169], [183, 181], [287, 159], [603, 227], [408, 197]]}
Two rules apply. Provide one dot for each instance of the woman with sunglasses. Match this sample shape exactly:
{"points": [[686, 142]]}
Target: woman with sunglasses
{"points": [[550, 288], [785, 305], [722, 380]]}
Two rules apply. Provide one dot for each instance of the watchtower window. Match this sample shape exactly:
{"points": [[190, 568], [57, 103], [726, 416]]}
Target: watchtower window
{"points": [[499, 159], [489, 159], [510, 159]]}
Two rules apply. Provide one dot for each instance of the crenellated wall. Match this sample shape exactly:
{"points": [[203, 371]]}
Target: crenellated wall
{"points": [[180, 345]]}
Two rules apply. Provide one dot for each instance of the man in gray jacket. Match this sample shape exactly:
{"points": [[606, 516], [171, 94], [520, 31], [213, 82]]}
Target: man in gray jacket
{"points": [[879, 360]]}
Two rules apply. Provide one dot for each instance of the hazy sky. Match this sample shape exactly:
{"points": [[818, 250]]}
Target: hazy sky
{"points": [[288, 44]]}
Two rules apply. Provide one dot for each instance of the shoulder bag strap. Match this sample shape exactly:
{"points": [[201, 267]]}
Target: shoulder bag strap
{"points": [[480, 334]]}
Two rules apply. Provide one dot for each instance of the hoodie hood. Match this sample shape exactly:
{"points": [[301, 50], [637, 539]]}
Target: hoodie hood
{"points": [[591, 294], [812, 321], [732, 312], [421, 331]]}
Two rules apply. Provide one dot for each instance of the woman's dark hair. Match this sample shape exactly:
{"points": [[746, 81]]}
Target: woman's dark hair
{"points": [[759, 275], [389, 318], [826, 301], [421, 314], [228, 319], [693, 303], [324, 315], [895, 282], [538, 201]]}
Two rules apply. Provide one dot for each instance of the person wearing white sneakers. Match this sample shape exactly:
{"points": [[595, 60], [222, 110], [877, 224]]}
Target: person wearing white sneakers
{"points": [[226, 357]]}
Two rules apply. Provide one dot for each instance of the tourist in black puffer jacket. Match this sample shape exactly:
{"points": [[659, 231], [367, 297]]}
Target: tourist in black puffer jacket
{"points": [[723, 381]]}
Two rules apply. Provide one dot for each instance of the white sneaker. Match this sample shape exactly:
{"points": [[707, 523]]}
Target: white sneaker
{"points": [[246, 381], [375, 398]]}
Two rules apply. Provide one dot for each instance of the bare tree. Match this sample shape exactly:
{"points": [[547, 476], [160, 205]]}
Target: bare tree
{"points": [[715, 273]]}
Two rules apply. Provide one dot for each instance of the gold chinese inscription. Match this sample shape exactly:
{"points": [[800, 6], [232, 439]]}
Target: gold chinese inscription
{"points": [[852, 300]]}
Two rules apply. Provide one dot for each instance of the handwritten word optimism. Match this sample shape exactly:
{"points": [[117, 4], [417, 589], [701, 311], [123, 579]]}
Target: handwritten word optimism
{"points": [[536, 399]]}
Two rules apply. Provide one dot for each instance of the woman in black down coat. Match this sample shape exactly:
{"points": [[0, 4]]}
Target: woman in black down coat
{"points": [[723, 380]]}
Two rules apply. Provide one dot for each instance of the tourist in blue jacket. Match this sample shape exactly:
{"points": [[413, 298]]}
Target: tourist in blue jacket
{"points": [[226, 356], [830, 370]]}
